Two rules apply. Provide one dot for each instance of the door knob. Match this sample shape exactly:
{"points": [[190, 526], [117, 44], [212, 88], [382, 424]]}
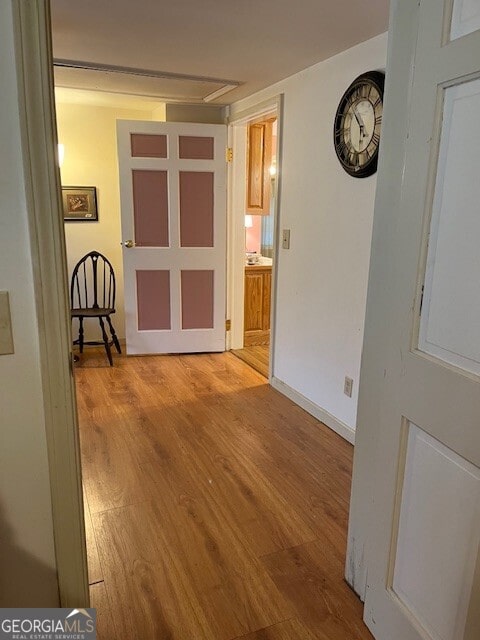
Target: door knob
{"points": [[128, 244]]}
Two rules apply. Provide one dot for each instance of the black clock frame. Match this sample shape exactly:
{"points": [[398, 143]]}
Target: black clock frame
{"points": [[376, 79]]}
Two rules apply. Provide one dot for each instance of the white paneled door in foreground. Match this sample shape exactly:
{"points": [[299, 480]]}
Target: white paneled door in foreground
{"points": [[419, 405], [173, 201]]}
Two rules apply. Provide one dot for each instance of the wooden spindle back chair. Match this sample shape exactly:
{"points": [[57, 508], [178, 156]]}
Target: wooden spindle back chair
{"points": [[92, 295]]}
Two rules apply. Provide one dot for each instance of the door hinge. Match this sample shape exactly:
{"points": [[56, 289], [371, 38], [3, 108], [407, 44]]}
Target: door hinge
{"points": [[228, 325], [229, 154], [421, 301]]}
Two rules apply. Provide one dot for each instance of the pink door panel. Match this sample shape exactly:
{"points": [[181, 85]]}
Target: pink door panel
{"points": [[148, 146], [153, 300], [197, 299], [195, 148], [196, 208], [150, 208]]}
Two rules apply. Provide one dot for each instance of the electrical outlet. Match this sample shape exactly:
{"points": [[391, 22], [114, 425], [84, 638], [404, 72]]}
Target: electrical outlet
{"points": [[286, 239], [348, 386]]}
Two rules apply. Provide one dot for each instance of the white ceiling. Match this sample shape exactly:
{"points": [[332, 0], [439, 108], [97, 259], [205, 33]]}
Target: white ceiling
{"points": [[253, 43]]}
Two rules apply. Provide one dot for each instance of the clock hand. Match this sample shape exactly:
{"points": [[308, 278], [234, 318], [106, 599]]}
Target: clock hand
{"points": [[361, 123]]}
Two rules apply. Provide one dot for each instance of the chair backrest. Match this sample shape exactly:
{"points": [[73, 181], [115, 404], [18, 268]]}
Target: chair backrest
{"points": [[93, 283]]}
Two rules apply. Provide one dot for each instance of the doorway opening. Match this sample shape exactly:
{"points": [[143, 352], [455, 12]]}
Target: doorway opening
{"points": [[254, 206], [86, 121]]}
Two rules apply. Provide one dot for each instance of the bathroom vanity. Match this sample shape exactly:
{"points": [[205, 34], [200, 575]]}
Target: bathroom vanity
{"points": [[258, 287]]}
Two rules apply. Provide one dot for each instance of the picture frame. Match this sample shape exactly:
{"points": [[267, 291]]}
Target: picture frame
{"points": [[79, 204]]}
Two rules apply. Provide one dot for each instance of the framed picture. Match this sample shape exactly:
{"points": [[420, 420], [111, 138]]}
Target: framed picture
{"points": [[79, 204]]}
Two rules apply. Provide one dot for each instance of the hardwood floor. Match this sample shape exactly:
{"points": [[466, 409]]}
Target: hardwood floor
{"points": [[215, 507], [257, 357]]}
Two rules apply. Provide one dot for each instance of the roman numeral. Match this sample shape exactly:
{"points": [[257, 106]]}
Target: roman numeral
{"points": [[378, 119], [354, 96], [343, 149], [365, 91], [353, 158], [364, 157], [375, 138]]}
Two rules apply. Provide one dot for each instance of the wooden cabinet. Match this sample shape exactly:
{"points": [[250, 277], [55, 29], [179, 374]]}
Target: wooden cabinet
{"points": [[258, 288], [259, 158]]}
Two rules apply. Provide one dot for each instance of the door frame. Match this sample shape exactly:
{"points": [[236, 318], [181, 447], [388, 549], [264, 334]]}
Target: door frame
{"points": [[237, 141], [33, 55], [33, 51]]}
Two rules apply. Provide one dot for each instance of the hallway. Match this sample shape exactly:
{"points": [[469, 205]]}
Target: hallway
{"points": [[215, 507]]}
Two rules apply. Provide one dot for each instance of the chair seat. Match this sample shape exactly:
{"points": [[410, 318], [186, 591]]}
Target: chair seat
{"points": [[91, 313]]}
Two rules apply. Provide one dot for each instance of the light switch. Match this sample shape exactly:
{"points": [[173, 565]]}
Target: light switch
{"points": [[6, 337], [286, 239]]}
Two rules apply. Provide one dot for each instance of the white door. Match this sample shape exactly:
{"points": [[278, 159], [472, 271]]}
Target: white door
{"points": [[415, 516], [173, 209]]}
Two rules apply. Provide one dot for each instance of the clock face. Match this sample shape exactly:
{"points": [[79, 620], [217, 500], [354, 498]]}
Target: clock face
{"points": [[358, 122]]}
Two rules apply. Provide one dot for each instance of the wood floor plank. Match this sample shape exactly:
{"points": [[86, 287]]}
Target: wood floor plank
{"points": [[289, 630], [236, 592], [187, 573], [308, 475], [99, 601], [172, 440], [254, 395], [189, 456], [95, 573], [153, 596], [312, 581], [111, 476], [203, 483], [258, 357]]}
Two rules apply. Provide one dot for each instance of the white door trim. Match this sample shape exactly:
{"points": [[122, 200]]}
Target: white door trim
{"points": [[33, 53], [400, 63], [236, 174], [235, 242]]}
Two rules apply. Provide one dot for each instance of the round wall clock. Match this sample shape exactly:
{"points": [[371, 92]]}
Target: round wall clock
{"points": [[358, 121]]}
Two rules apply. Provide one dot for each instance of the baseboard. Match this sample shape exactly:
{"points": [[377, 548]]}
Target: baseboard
{"points": [[256, 338], [317, 412]]}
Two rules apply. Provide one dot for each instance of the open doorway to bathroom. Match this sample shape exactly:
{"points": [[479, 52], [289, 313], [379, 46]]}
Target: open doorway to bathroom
{"points": [[259, 247]]}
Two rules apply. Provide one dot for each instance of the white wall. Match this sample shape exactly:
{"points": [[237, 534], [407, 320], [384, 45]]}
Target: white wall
{"points": [[27, 559], [88, 133], [322, 279]]}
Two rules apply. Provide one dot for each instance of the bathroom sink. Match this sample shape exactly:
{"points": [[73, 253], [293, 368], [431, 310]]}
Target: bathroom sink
{"points": [[260, 261]]}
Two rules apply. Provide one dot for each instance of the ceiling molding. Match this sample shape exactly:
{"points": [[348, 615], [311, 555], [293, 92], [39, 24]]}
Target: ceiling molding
{"points": [[147, 73], [219, 92]]}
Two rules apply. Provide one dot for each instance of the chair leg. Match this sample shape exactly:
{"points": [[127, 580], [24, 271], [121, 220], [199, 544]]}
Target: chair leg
{"points": [[80, 333], [105, 341], [114, 336]]}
